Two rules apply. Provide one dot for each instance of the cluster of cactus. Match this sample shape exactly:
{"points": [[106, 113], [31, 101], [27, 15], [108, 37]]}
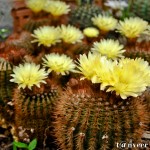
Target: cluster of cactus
{"points": [[141, 8], [88, 119], [81, 116], [82, 14]]}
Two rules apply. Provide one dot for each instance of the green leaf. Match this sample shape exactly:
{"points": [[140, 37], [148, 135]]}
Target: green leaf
{"points": [[20, 144], [14, 147], [32, 144]]}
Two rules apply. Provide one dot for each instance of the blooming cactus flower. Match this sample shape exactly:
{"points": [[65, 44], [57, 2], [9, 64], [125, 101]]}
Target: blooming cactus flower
{"points": [[28, 75], [132, 27], [35, 5], [109, 48], [61, 64], [70, 34], [126, 77], [56, 8], [46, 35], [104, 23]]}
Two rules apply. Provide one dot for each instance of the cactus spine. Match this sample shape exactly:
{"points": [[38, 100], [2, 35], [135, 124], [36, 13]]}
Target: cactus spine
{"points": [[88, 120]]}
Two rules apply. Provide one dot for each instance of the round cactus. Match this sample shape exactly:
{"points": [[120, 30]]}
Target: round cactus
{"points": [[81, 16], [6, 86], [137, 53], [33, 114], [31, 25], [141, 8], [89, 119], [6, 91]]}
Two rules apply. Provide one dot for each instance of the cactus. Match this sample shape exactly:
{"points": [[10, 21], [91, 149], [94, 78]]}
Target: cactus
{"points": [[137, 53], [81, 16], [21, 43], [31, 25], [82, 2], [87, 119], [6, 90], [6, 86], [33, 113], [141, 8]]}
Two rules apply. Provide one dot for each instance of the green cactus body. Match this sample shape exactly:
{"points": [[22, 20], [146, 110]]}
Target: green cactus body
{"points": [[6, 90], [6, 86], [141, 8], [81, 16], [87, 119], [33, 114], [82, 2]]}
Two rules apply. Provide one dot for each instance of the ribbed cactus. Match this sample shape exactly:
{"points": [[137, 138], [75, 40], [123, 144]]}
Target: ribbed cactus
{"points": [[34, 24], [82, 2], [135, 53], [141, 8], [6, 90], [147, 98], [33, 114], [81, 16], [87, 119], [6, 86]]}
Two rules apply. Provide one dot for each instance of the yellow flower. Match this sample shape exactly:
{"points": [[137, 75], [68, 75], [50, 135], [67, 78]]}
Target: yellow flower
{"points": [[87, 64], [28, 74], [46, 35], [35, 5], [129, 81], [104, 23], [56, 8], [109, 48], [61, 64], [128, 77], [70, 34], [103, 73], [91, 32], [132, 27]]}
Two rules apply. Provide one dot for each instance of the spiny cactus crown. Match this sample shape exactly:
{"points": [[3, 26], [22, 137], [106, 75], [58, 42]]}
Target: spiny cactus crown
{"points": [[141, 8], [81, 16]]}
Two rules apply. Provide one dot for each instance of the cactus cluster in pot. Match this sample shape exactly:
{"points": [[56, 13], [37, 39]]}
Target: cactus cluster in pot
{"points": [[60, 93]]}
